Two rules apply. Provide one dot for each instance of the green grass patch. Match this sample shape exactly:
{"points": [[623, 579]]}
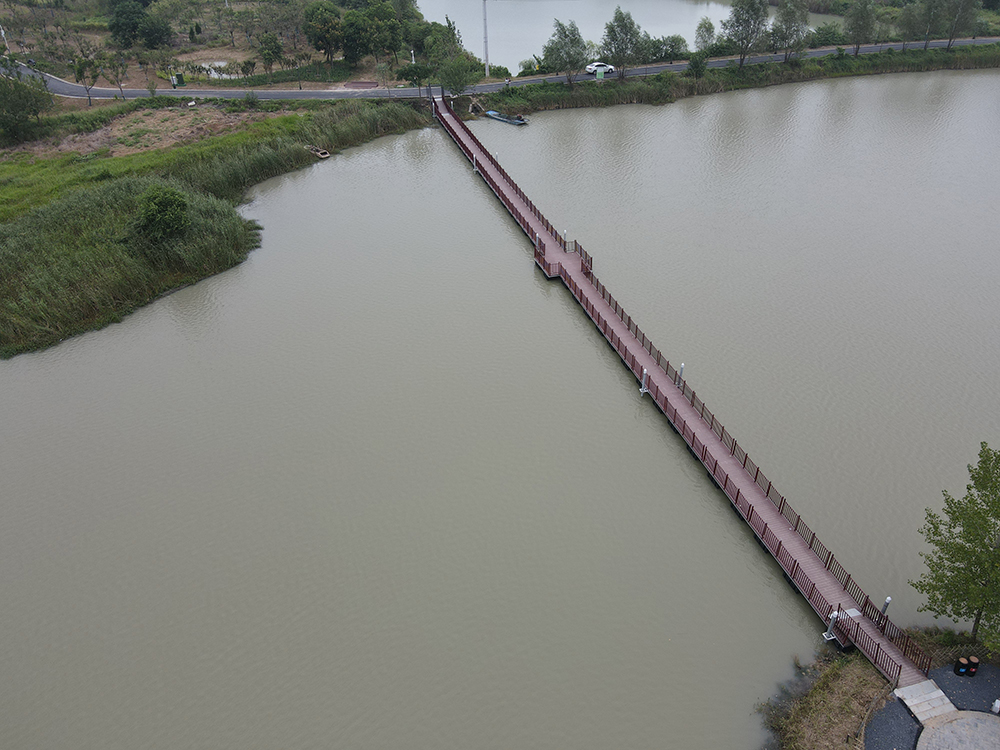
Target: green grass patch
{"points": [[85, 261]]}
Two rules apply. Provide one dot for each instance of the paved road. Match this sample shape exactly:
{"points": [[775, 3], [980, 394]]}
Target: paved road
{"points": [[60, 87]]}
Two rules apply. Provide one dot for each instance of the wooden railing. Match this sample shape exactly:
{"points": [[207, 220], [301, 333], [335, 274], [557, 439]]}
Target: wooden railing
{"points": [[847, 629]]}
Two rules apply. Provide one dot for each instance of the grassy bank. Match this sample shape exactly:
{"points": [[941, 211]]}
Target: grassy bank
{"points": [[85, 261], [69, 261], [664, 88], [224, 166], [823, 707]]}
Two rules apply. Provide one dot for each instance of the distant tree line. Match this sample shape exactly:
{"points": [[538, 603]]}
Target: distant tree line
{"points": [[749, 30]]}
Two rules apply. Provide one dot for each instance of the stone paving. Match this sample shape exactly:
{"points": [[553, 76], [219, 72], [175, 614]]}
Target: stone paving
{"points": [[973, 728]]}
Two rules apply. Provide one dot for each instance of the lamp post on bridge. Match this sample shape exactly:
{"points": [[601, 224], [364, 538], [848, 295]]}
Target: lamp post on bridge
{"points": [[828, 635]]}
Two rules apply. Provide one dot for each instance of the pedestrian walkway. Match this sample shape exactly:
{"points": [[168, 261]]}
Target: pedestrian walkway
{"points": [[852, 617], [927, 702]]}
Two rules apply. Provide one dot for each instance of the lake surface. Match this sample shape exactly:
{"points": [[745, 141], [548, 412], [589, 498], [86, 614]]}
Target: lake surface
{"points": [[519, 29], [385, 486]]}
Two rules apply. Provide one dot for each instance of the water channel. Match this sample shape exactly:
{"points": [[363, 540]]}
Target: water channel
{"points": [[385, 486]]}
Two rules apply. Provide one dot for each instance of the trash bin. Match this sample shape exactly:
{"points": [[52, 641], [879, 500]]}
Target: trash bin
{"points": [[180, 79], [973, 665], [961, 666]]}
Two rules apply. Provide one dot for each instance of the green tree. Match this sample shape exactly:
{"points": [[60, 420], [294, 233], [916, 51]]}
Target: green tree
{"points": [[859, 23], [22, 96], [415, 75], [270, 51], [622, 42], [790, 27], [697, 65], [124, 23], [155, 32], [932, 18], [356, 38], [115, 68], [962, 581], [386, 32], [911, 25], [442, 43], [86, 64], [673, 48], [746, 26], [704, 34], [566, 51], [322, 28], [962, 17], [458, 74]]}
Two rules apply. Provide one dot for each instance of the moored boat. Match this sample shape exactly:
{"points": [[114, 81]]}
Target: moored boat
{"points": [[515, 120]]}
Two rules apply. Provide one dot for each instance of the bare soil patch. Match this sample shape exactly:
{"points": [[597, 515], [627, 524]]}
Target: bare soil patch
{"points": [[151, 129]]}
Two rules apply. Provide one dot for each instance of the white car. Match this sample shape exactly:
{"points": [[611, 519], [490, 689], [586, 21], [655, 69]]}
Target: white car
{"points": [[594, 67]]}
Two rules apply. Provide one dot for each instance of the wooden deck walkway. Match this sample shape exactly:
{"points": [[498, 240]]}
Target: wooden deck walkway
{"points": [[804, 560]]}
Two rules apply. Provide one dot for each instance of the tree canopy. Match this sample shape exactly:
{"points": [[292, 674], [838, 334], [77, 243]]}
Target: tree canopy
{"points": [[566, 51], [622, 42], [790, 26], [21, 98], [322, 27], [704, 34], [859, 23], [746, 26], [962, 581]]}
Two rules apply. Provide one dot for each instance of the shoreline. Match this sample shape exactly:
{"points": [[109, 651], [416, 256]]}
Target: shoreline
{"points": [[225, 166]]}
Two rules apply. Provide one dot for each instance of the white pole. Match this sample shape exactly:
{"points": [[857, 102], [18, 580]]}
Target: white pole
{"points": [[828, 635], [886, 605], [486, 42]]}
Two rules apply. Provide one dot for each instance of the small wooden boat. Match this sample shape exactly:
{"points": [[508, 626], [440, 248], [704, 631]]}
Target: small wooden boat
{"points": [[515, 120], [318, 152]]}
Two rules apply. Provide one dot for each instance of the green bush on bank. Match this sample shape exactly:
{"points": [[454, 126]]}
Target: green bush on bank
{"points": [[78, 263], [667, 87]]}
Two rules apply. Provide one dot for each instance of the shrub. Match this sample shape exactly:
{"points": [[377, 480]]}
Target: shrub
{"points": [[162, 213]]}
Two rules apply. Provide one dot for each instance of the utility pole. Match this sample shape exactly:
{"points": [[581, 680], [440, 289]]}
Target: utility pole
{"points": [[486, 42]]}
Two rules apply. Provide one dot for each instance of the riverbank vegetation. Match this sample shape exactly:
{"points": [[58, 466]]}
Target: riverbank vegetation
{"points": [[86, 260], [72, 259], [748, 30], [667, 87], [827, 703]]}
